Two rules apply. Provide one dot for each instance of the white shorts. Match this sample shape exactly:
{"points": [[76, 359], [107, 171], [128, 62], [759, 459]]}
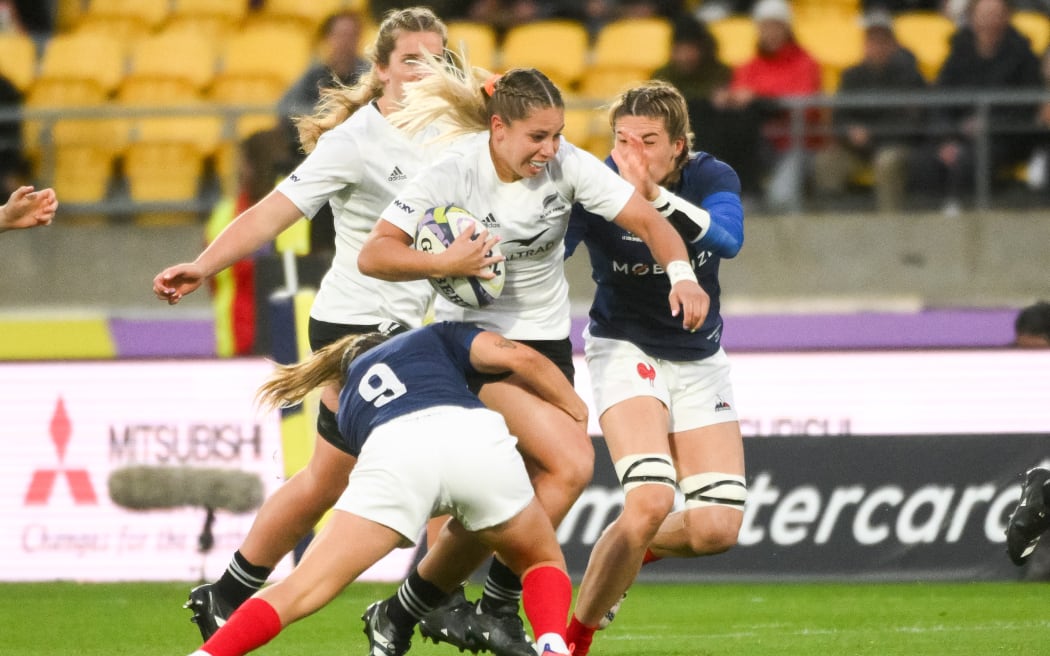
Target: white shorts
{"points": [[443, 460], [696, 393]]}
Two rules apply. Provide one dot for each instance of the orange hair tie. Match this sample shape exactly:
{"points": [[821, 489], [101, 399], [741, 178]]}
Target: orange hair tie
{"points": [[490, 85]]}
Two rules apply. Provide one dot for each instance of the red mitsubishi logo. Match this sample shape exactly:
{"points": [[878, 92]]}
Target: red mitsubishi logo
{"points": [[43, 482]]}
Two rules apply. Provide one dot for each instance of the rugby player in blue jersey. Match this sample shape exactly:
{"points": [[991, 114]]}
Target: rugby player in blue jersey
{"points": [[664, 395], [425, 445]]}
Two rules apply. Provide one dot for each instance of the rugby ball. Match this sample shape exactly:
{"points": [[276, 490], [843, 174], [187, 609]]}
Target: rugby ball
{"points": [[436, 231]]}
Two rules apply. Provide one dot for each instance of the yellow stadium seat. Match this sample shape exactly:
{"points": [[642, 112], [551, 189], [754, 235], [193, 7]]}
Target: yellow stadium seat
{"points": [[643, 43], [477, 39], [307, 16], [76, 70], [587, 128], [926, 34], [82, 156], [258, 65], [558, 48], [18, 59], [165, 159], [91, 58], [625, 53], [834, 8], [124, 20], [178, 62], [163, 171], [67, 14], [216, 19], [835, 41], [1036, 26], [736, 37], [605, 83]]}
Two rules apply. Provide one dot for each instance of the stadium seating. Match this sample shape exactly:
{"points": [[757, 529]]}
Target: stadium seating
{"points": [[559, 48], [1036, 26], [84, 155], [89, 58], [18, 59], [166, 154], [736, 37], [126, 21], [258, 65], [307, 16], [227, 52], [587, 128], [76, 70], [833, 8], [626, 52], [170, 66], [926, 34], [215, 19], [836, 41], [479, 41]]}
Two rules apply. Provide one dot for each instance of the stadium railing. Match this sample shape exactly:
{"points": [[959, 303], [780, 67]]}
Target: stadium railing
{"points": [[982, 104]]}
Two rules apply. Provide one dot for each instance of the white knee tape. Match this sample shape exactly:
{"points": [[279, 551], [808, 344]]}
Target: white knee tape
{"points": [[714, 489], [645, 469]]}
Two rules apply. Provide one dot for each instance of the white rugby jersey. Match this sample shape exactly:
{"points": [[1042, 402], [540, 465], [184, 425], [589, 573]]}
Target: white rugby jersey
{"points": [[358, 167], [529, 215]]}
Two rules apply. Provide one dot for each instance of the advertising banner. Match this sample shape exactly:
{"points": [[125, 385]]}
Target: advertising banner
{"points": [[69, 426], [852, 507], [883, 465]]}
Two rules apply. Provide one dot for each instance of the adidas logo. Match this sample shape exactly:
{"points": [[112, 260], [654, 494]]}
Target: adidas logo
{"points": [[396, 175], [490, 220], [722, 405]]}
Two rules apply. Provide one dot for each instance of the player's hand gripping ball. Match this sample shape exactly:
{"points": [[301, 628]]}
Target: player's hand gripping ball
{"points": [[438, 229]]}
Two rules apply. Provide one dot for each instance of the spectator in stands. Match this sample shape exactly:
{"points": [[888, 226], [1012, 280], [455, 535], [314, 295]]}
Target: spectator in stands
{"points": [[712, 10], [732, 136], [341, 63], [871, 137], [780, 69], [1032, 326], [35, 17], [1037, 174], [987, 53], [233, 289], [28, 208]]}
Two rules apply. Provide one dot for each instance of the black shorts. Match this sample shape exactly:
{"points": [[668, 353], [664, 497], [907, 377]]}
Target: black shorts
{"points": [[322, 333], [558, 351]]}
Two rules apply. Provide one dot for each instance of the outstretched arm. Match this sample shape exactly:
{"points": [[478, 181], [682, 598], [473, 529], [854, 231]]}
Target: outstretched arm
{"points": [[28, 208], [245, 235], [493, 353]]}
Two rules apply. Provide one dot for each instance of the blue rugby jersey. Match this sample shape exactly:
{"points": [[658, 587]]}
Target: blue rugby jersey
{"points": [[419, 369], [630, 302]]}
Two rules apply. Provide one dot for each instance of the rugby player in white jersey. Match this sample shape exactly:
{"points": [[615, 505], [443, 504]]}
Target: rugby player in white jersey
{"points": [[357, 161], [520, 179]]}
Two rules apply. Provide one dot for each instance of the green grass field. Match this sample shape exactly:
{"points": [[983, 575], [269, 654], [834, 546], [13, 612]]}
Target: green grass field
{"points": [[934, 619]]}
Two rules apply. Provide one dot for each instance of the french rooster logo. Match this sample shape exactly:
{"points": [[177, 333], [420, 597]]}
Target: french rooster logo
{"points": [[647, 372]]}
